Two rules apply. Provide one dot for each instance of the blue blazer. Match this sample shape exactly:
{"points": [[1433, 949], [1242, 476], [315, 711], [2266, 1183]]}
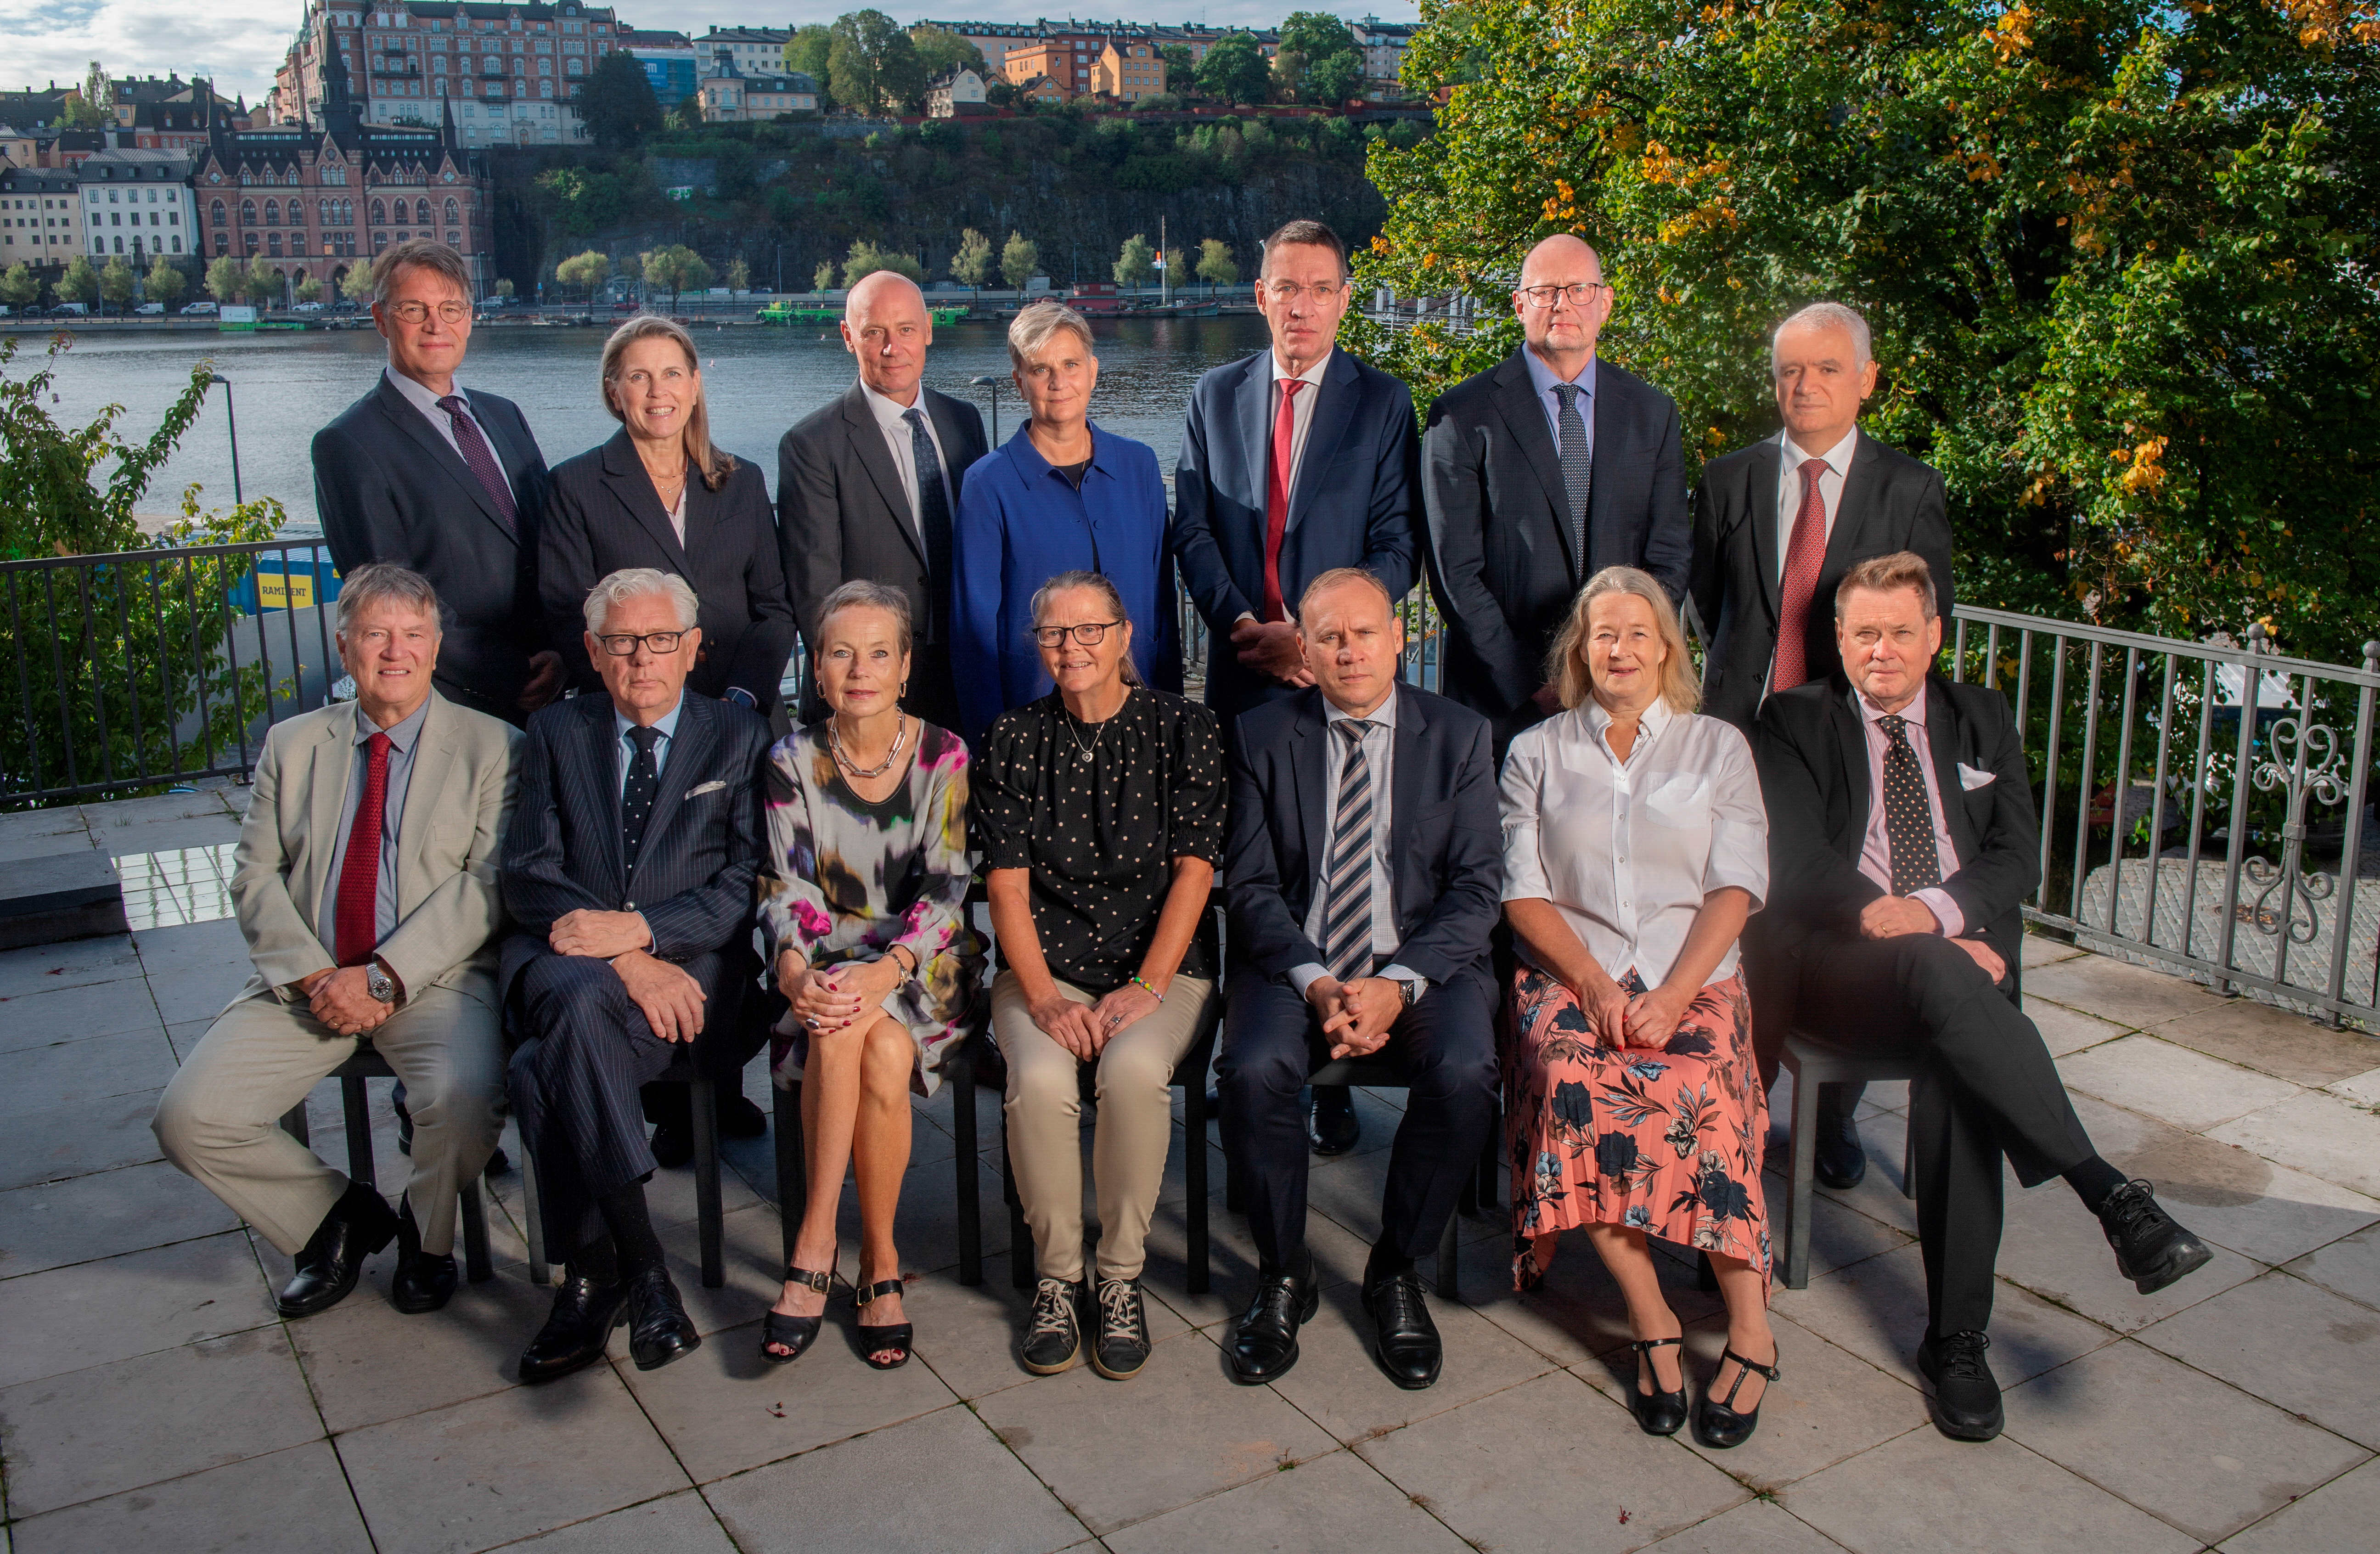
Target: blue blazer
{"points": [[1356, 501], [1021, 523]]}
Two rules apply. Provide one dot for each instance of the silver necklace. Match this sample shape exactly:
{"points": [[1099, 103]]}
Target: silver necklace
{"points": [[900, 736], [1085, 752]]}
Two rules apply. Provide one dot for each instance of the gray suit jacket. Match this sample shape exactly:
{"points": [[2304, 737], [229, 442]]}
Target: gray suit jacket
{"points": [[450, 913]]}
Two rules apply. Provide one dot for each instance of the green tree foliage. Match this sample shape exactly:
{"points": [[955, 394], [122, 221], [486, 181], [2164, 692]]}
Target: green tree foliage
{"points": [[1018, 259], [1215, 266], [971, 266], [1235, 70], [116, 283], [224, 277], [1318, 60], [584, 272], [81, 282], [2118, 256], [676, 269], [687, 115], [130, 672], [1316, 35], [865, 258], [822, 278], [617, 101], [311, 289], [20, 288], [874, 65], [810, 51], [739, 274], [940, 49], [1181, 68], [356, 286], [260, 285], [1135, 265], [164, 283], [505, 289], [1334, 78], [583, 200]]}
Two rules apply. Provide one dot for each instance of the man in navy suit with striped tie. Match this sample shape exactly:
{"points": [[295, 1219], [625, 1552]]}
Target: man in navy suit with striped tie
{"points": [[629, 875]]}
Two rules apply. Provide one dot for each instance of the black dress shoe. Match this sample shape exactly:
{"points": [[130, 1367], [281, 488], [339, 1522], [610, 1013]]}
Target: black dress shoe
{"points": [[2151, 1249], [1266, 1344], [359, 1224], [1407, 1339], [1966, 1400], [659, 1328], [1331, 1126], [576, 1331], [498, 1164], [672, 1144], [739, 1118], [1841, 1162], [423, 1283]]}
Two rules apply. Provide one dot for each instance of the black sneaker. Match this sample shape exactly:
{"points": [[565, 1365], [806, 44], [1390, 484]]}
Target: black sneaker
{"points": [[2151, 1249], [1122, 1345], [1966, 1400], [1054, 1335]]}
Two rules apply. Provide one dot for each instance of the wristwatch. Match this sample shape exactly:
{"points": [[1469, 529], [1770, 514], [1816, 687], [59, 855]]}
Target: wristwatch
{"points": [[379, 983], [1408, 990]]}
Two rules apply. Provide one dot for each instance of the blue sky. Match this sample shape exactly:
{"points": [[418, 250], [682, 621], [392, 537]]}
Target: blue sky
{"points": [[240, 41]]}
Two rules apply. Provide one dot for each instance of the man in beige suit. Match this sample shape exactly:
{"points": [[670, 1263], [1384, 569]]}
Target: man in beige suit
{"points": [[366, 886]]}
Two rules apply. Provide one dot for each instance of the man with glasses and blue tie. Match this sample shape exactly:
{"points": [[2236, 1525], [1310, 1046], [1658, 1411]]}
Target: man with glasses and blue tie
{"points": [[1538, 473], [446, 482]]}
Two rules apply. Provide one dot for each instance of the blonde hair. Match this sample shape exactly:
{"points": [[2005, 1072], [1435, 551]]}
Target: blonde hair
{"points": [[713, 464], [1902, 569], [1567, 667], [1039, 324]]}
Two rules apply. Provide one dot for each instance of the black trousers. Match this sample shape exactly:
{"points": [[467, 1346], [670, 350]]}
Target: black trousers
{"points": [[1989, 1090], [1272, 1040]]}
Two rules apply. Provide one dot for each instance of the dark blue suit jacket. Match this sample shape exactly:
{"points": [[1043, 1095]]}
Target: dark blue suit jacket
{"points": [[1356, 501], [696, 869], [1448, 872]]}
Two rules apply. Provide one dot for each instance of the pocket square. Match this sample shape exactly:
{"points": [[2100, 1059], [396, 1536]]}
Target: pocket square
{"points": [[1971, 779], [714, 787]]}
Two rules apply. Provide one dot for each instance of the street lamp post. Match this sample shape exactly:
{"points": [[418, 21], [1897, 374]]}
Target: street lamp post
{"points": [[993, 384], [232, 420]]}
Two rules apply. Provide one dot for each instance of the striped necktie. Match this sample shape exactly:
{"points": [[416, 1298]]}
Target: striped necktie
{"points": [[1347, 894]]}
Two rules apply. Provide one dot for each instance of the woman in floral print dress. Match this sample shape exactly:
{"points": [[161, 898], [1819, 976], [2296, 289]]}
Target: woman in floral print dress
{"points": [[1636, 846], [865, 910]]}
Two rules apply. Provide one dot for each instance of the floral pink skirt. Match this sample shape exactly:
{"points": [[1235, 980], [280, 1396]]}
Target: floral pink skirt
{"points": [[1667, 1141]]}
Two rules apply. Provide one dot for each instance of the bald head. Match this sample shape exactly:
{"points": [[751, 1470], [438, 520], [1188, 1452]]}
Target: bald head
{"points": [[1562, 302], [1559, 259], [886, 326]]}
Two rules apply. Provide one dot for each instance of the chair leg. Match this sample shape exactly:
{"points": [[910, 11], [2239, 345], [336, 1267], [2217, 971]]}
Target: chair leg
{"points": [[793, 1164], [1487, 1197], [1021, 1264], [970, 1207], [704, 1096], [1798, 1191], [476, 1264], [532, 1223], [1194, 1176], [1908, 1160], [293, 1123], [359, 1142]]}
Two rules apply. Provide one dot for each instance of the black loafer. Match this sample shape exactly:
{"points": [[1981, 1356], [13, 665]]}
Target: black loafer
{"points": [[1406, 1340], [423, 1283], [2151, 1249], [1265, 1347], [1331, 1125], [672, 1145], [359, 1224], [576, 1331], [659, 1328], [1966, 1397], [1841, 1162]]}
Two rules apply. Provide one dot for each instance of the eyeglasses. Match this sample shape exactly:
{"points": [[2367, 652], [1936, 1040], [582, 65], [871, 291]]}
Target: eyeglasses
{"points": [[1323, 292], [1577, 294], [414, 312], [658, 641], [1090, 634]]}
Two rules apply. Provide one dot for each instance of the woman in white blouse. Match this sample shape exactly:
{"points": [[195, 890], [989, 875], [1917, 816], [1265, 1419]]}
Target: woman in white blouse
{"points": [[1634, 847]]}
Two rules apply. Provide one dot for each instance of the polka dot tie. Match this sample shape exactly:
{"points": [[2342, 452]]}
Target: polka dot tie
{"points": [[637, 797], [1908, 819]]}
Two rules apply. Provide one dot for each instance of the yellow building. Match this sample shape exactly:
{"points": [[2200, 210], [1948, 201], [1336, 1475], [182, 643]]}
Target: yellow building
{"points": [[1128, 70]]}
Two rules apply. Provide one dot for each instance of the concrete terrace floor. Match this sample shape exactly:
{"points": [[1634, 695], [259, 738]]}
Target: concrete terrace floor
{"points": [[150, 1398]]}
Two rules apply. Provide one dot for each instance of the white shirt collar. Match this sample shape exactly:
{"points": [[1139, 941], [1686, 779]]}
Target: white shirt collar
{"points": [[1311, 375], [1869, 711], [420, 396], [1382, 716], [891, 413], [1649, 724], [1837, 458]]}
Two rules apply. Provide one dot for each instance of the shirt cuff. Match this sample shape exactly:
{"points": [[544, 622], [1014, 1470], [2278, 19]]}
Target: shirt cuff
{"points": [[743, 698], [652, 944], [1945, 909], [1306, 975], [1400, 972]]}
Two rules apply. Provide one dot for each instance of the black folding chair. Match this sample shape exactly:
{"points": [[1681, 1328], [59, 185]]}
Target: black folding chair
{"points": [[365, 1065], [703, 1098]]}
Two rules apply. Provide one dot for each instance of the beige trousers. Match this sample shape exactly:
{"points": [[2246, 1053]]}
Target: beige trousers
{"points": [[220, 1120], [1135, 1126]]}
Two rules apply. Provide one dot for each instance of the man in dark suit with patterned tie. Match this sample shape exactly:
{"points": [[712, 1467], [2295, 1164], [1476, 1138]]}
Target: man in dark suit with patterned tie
{"points": [[629, 874], [445, 480]]}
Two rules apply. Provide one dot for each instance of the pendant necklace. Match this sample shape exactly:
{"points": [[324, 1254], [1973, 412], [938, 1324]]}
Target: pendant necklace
{"points": [[1085, 752], [900, 736]]}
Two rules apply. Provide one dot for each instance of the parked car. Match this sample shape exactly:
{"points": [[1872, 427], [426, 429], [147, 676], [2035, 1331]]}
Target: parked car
{"points": [[197, 309], [70, 311], [306, 308], [344, 307], [6, 311], [150, 310]]}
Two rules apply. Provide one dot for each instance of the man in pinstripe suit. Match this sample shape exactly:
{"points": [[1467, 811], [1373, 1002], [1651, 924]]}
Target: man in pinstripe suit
{"points": [[629, 874]]}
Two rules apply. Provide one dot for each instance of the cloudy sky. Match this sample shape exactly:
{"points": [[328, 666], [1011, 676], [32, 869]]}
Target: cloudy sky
{"points": [[240, 41]]}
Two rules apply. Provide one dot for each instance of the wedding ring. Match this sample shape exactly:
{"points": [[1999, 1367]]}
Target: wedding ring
{"points": [[811, 1022]]}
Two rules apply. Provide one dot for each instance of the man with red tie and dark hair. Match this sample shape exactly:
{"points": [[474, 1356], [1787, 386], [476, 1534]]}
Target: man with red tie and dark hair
{"points": [[1777, 526], [366, 888]]}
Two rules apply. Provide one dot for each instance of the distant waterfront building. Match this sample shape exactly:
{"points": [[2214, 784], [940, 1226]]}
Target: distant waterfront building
{"points": [[1382, 44], [668, 61], [756, 51], [729, 96], [138, 203], [1040, 89], [954, 94], [40, 216], [994, 39], [43, 109], [1127, 68]]}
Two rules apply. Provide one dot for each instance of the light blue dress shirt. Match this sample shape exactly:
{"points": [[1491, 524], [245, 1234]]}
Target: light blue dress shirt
{"points": [[666, 724], [1542, 379]]}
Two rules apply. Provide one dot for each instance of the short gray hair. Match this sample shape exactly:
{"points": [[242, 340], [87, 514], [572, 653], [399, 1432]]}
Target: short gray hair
{"points": [[423, 253], [1825, 315], [861, 594], [640, 582], [1033, 329], [380, 582]]}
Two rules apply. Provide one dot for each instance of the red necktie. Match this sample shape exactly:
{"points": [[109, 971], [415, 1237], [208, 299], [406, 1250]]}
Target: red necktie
{"points": [[1805, 553], [360, 870], [1284, 428]]}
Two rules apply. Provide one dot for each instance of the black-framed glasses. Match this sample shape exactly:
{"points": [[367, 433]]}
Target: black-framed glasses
{"points": [[1578, 294], [414, 312], [620, 646], [1090, 634]]}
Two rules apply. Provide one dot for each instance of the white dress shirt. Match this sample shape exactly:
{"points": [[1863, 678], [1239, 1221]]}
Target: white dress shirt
{"points": [[1379, 760], [421, 399], [893, 417], [1789, 487], [1876, 847], [1301, 417], [1628, 850]]}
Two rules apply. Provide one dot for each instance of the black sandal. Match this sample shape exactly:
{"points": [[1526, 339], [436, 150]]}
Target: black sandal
{"points": [[796, 1333], [895, 1335], [1717, 1424], [1658, 1413]]}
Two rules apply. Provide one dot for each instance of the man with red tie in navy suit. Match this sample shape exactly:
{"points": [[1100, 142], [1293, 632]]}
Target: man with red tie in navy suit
{"points": [[447, 481], [1777, 526]]}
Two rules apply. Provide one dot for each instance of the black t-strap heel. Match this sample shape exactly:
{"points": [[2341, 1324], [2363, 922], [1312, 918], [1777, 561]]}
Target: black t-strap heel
{"points": [[1658, 1413], [1718, 1423]]}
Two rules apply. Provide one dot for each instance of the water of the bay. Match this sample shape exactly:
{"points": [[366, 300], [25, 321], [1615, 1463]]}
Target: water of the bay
{"points": [[758, 381]]}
